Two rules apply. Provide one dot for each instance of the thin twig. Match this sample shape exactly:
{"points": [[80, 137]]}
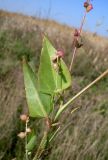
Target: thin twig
{"points": [[75, 48], [26, 151]]}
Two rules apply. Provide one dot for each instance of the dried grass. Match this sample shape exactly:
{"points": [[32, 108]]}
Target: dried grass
{"points": [[85, 133]]}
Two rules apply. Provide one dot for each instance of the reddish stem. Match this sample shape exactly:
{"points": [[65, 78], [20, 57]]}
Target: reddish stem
{"points": [[75, 48]]}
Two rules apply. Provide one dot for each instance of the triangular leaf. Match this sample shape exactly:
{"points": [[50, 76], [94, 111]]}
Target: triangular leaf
{"points": [[39, 104], [50, 80]]}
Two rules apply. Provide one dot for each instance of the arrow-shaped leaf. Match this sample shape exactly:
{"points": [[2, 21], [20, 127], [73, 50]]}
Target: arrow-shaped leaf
{"points": [[39, 104], [50, 80]]}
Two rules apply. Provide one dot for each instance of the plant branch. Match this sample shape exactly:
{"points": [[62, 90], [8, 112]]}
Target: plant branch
{"points": [[26, 140], [80, 93], [75, 48]]}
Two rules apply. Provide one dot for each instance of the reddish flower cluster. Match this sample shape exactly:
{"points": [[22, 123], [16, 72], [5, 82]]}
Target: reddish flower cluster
{"points": [[77, 42], [88, 6]]}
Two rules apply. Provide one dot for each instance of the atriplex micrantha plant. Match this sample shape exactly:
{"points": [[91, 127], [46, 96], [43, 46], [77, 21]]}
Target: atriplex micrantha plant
{"points": [[45, 93]]}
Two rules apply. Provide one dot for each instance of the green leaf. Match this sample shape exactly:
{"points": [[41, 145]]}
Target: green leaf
{"points": [[31, 144], [50, 80], [39, 104]]}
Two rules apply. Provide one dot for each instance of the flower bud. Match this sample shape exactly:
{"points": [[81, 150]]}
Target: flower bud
{"points": [[22, 135], [89, 8], [86, 4], [60, 54], [28, 130], [76, 33], [24, 117]]}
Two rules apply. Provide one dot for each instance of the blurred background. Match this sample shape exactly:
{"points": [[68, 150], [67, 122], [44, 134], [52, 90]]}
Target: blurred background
{"points": [[84, 135], [69, 13]]}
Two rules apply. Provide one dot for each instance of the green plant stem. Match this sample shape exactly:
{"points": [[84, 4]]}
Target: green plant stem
{"points": [[26, 151], [80, 93], [55, 133], [41, 147]]}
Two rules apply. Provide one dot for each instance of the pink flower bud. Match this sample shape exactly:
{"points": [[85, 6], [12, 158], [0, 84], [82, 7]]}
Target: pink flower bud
{"points": [[24, 117], [22, 135], [86, 4], [89, 8], [76, 33], [60, 54]]}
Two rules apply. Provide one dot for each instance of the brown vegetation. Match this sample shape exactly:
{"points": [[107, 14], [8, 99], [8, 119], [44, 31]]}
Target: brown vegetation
{"points": [[85, 134]]}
